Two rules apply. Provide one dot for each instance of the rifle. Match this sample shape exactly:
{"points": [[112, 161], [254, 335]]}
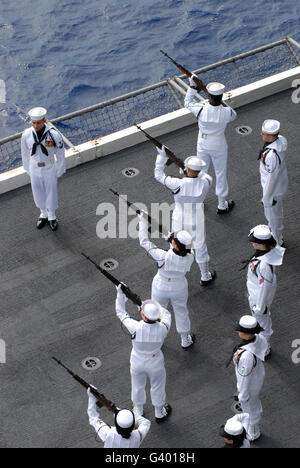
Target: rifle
{"points": [[126, 290], [169, 153], [101, 399], [150, 220], [200, 85]]}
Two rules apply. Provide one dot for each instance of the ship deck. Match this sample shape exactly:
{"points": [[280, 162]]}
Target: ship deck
{"points": [[55, 303]]}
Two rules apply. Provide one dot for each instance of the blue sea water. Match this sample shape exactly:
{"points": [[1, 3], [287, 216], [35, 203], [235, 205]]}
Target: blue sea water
{"points": [[69, 54]]}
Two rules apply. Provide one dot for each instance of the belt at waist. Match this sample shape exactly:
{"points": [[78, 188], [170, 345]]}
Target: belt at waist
{"points": [[146, 355], [168, 279]]}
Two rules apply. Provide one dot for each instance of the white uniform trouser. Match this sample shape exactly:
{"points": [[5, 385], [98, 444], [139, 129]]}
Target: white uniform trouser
{"points": [[175, 291], [219, 160], [44, 188], [264, 319], [253, 406], [152, 367], [274, 216]]}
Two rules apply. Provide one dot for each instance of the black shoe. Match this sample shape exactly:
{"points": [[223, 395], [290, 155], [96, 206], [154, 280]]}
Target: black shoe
{"points": [[168, 409], [213, 277], [193, 341], [229, 208], [41, 222], [53, 224]]}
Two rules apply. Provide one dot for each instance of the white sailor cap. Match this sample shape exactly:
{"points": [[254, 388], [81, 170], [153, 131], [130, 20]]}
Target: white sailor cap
{"points": [[37, 113], [271, 127], [194, 163], [125, 418], [184, 238], [216, 89], [152, 310], [233, 428], [261, 234], [248, 324]]}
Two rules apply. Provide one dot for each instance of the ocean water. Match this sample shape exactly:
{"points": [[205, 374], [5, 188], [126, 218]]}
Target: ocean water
{"points": [[69, 54]]}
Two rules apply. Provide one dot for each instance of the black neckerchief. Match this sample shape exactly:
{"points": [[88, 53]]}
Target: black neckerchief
{"points": [[243, 343], [257, 253], [38, 141]]}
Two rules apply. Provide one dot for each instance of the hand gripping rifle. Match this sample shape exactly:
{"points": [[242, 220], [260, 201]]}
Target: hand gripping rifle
{"points": [[101, 399], [126, 290], [200, 85], [162, 230], [169, 153]]}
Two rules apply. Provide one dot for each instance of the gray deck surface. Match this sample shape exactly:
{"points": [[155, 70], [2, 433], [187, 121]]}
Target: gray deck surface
{"points": [[53, 302]]}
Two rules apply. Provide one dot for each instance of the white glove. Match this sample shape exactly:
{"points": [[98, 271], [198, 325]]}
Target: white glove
{"points": [[191, 80], [162, 152], [120, 295], [92, 399]]}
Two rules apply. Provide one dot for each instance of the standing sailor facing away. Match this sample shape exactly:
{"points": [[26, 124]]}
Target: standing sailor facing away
{"points": [[213, 118], [170, 283], [188, 215], [147, 359], [235, 430], [43, 157], [129, 430], [273, 176]]}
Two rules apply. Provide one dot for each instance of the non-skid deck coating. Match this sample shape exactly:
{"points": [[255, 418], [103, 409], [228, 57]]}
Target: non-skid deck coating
{"points": [[53, 302]]}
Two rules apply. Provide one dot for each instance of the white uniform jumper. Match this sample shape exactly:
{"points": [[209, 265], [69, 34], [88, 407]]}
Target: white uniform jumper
{"points": [[44, 161], [170, 283], [250, 374], [110, 436], [274, 181], [212, 144], [261, 286], [147, 359], [189, 195]]}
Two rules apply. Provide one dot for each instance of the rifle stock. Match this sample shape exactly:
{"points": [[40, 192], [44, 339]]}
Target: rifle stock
{"points": [[99, 396], [126, 290]]}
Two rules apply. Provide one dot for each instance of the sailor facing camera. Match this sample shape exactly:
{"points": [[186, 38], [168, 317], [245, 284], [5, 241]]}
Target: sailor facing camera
{"points": [[273, 176], [248, 357], [234, 431], [43, 157], [188, 215], [170, 283], [261, 277], [147, 359], [213, 118], [129, 431]]}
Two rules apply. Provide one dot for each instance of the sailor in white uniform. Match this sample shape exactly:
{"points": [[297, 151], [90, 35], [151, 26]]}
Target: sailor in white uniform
{"points": [[273, 176], [248, 358], [235, 430], [43, 158], [129, 430], [188, 215], [213, 118], [170, 283], [261, 276], [147, 359]]}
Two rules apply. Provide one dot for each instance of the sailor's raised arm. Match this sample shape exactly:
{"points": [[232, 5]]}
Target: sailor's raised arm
{"points": [[190, 102], [157, 254], [172, 183]]}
